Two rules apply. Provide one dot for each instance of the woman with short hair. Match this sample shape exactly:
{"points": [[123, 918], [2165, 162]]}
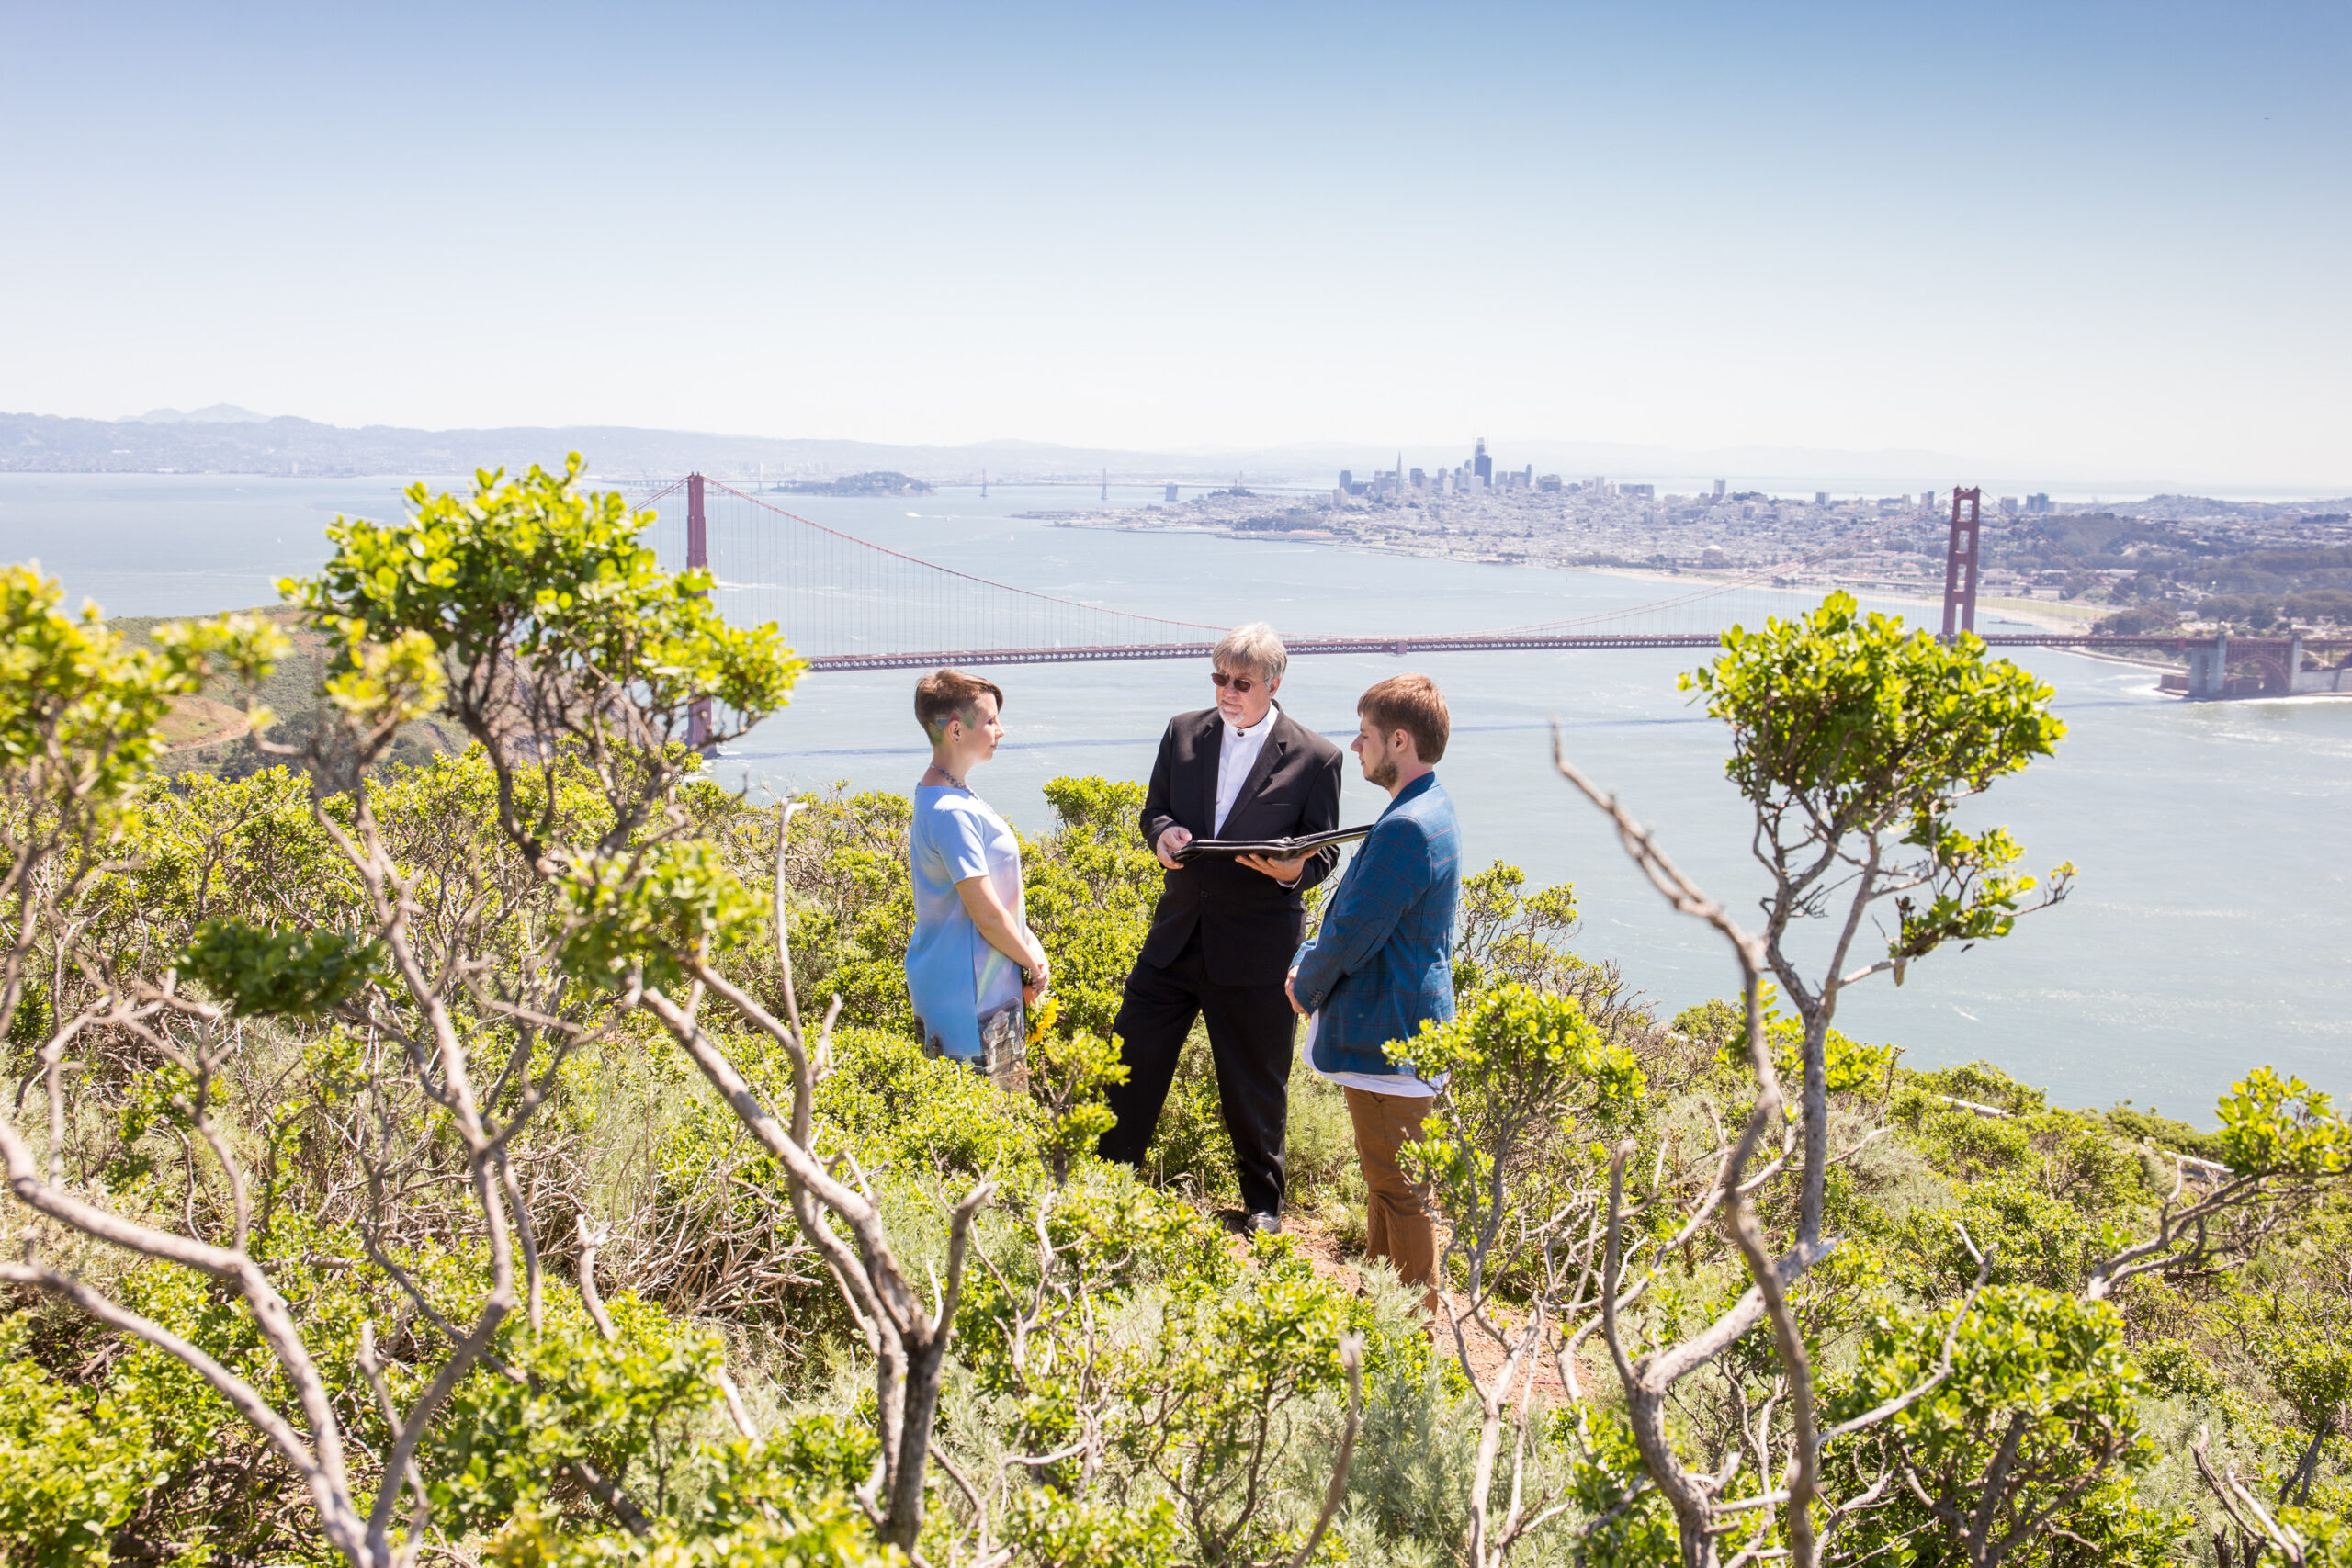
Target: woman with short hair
{"points": [[972, 965]]}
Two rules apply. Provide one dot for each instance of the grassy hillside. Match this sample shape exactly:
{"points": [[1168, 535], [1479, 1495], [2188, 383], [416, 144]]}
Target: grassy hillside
{"points": [[208, 734]]}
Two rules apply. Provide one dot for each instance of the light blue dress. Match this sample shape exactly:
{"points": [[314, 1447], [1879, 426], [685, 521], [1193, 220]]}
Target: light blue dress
{"points": [[955, 979]]}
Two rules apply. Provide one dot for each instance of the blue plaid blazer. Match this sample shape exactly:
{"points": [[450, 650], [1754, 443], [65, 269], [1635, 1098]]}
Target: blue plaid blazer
{"points": [[1382, 961]]}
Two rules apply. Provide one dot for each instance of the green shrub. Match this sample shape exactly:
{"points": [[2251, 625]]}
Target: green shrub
{"points": [[71, 1475]]}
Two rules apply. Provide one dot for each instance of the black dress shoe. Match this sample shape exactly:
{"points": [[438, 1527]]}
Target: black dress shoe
{"points": [[1266, 1225]]}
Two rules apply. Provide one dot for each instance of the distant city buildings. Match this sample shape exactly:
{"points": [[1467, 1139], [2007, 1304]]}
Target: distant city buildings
{"points": [[1480, 476], [1807, 540], [1796, 538]]}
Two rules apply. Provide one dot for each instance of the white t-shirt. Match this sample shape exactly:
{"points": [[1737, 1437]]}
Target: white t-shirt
{"points": [[1372, 1083]]}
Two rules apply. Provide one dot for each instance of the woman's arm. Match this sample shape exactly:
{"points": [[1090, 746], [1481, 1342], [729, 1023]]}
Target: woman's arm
{"points": [[998, 929]]}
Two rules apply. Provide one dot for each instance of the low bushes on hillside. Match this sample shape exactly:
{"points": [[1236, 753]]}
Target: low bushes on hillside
{"points": [[519, 1157]]}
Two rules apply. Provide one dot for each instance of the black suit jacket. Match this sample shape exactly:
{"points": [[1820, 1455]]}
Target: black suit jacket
{"points": [[1249, 924]]}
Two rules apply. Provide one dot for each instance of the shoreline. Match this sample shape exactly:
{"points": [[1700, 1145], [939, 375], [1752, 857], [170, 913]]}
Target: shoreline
{"points": [[2030, 612]]}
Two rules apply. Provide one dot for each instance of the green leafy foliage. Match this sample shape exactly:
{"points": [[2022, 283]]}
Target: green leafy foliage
{"points": [[1518, 1062], [852, 904], [382, 685], [1508, 933], [1229, 1359], [1068, 1075], [1850, 1064], [1632, 1526], [532, 568], [1054, 1531], [899, 1109], [2041, 1411], [70, 1476], [80, 708], [655, 910], [2271, 1124], [1847, 724], [566, 1400], [263, 974], [1127, 1382], [1163, 1370], [1089, 888], [784, 1502], [1531, 1086], [1852, 712], [829, 1533]]}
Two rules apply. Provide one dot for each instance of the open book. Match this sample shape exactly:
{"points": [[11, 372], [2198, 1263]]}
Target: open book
{"points": [[1272, 849]]}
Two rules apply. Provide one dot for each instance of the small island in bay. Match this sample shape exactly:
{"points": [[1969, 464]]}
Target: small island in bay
{"points": [[882, 481]]}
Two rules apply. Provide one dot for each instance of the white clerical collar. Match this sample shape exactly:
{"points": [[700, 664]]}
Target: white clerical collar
{"points": [[1240, 734]]}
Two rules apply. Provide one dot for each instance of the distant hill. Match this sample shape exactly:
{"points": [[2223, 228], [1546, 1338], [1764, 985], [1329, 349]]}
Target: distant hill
{"points": [[228, 440], [219, 413]]}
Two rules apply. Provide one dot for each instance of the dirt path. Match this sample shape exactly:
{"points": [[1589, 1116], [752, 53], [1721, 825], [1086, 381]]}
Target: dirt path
{"points": [[1329, 1257]]}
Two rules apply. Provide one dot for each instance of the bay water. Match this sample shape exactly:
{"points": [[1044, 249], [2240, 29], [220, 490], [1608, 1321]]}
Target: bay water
{"points": [[2208, 933]]}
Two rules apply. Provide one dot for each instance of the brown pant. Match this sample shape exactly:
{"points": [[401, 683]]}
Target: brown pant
{"points": [[1398, 1223]]}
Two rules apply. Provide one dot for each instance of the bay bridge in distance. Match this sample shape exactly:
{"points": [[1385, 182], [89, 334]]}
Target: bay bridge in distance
{"points": [[848, 603]]}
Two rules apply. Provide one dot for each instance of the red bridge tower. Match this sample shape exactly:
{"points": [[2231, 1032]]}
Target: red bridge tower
{"points": [[699, 559], [1960, 564]]}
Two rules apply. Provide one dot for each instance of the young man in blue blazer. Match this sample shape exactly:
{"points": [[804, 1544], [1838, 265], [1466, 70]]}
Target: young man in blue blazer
{"points": [[1383, 963]]}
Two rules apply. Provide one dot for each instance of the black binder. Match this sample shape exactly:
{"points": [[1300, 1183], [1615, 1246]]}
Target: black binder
{"points": [[1272, 849]]}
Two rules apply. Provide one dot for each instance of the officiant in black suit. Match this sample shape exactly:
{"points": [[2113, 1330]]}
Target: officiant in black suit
{"points": [[1224, 930]]}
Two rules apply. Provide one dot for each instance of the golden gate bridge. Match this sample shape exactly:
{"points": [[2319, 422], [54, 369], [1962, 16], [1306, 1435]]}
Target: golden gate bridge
{"points": [[849, 603]]}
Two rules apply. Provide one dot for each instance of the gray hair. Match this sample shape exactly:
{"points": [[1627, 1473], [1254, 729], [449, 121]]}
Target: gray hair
{"points": [[1254, 647]]}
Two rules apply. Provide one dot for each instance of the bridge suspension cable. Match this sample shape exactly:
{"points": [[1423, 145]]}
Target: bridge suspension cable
{"points": [[846, 603], [844, 600]]}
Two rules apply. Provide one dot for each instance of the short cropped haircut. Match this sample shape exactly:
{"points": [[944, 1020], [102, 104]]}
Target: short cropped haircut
{"points": [[950, 693], [1414, 705], [1254, 648]]}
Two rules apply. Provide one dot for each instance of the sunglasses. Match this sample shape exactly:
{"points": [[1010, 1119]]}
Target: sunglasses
{"points": [[1241, 685]]}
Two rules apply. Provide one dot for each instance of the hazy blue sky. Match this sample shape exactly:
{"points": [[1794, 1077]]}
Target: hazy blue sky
{"points": [[2090, 238]]}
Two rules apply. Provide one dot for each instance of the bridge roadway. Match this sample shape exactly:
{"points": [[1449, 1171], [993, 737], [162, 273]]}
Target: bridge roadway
{"points": [[1497, 642]]}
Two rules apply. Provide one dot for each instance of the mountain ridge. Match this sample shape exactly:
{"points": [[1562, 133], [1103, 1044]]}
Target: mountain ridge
{"points": [[225, 439]]}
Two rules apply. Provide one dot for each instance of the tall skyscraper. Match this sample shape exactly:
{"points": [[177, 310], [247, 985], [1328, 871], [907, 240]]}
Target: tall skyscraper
{"points": [[1482, 465], [1719, 489]]}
